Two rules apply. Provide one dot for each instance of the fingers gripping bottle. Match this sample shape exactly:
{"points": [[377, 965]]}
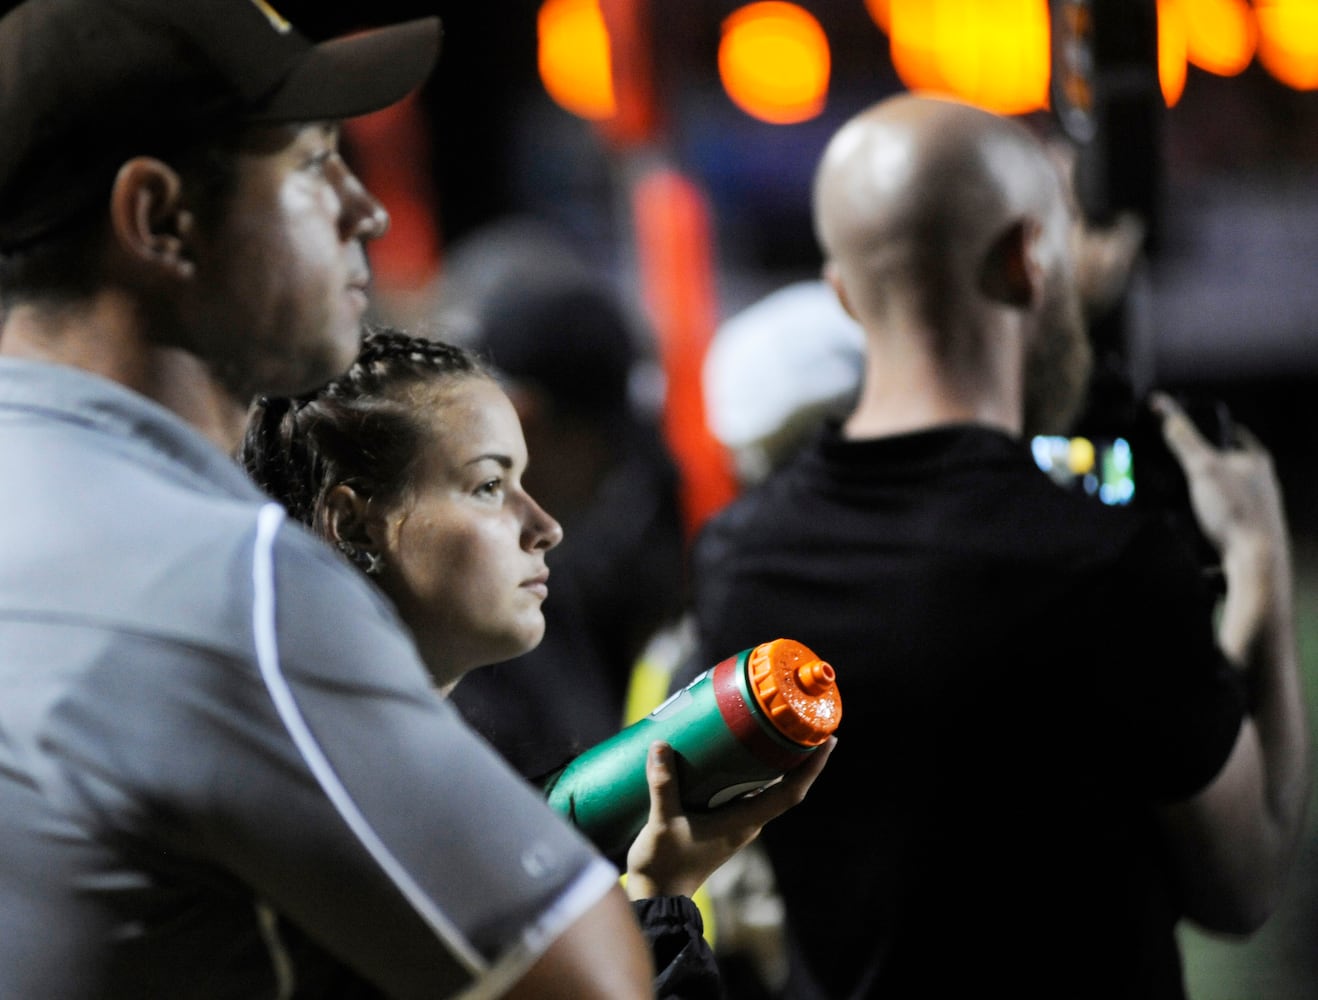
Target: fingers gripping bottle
{"points": [[737, 727]]}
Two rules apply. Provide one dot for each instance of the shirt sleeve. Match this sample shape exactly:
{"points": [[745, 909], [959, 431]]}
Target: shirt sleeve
{"points": [[1179, 702], [323, 776], [468, 866], [685, 965]]}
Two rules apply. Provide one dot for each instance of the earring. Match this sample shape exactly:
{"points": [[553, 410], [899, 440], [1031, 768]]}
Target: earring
{"points": [[369, 563]]}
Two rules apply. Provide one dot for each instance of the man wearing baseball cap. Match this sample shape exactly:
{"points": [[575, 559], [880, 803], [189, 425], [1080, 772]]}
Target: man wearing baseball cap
{"points": [[209, 726]]}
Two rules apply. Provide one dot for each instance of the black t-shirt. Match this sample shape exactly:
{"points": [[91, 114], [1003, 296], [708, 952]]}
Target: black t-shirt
{"points": [[1024, 674]]}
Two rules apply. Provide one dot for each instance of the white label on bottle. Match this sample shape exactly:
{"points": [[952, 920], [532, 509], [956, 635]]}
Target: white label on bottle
{"points": [[736, 791], [673, 704]]}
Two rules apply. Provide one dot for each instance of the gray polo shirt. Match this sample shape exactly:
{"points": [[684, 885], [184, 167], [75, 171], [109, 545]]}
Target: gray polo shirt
{"points": [[207, 718]]}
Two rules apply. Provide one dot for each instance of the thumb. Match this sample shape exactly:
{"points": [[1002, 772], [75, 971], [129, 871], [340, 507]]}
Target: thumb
{"points": [[1178, 430], [661, 776]]}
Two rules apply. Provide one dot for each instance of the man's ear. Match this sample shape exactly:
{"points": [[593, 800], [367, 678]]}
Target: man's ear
{"points": [[148, 217], [830, 275], [1011, 272], [346, 518]]}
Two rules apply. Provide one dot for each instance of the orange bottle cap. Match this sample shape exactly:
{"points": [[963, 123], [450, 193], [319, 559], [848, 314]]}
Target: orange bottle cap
{"points": [[796, 690]]}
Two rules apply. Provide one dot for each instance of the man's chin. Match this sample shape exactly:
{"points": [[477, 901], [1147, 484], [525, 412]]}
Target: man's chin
{"points": [[345, 347], [313, 370]]}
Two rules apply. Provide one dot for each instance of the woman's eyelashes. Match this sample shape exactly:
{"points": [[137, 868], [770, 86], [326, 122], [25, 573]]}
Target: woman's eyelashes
{"points": [[492, 488]]}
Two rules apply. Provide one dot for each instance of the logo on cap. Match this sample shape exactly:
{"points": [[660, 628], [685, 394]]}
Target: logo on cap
{"points": [[277, 20]]}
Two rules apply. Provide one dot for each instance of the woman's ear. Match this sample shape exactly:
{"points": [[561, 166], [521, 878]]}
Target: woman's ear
{"points": [[346, 519], [348, 522], [148, 218]]}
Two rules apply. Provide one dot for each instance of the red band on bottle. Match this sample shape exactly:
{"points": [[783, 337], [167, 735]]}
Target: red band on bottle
{"points": [[745, 722]]}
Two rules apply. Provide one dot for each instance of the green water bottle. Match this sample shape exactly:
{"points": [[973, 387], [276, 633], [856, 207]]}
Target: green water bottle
{"points": [[737, 727]]}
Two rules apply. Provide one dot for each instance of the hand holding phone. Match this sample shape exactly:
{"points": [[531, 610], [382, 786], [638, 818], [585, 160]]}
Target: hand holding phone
{"points": [[1231, 483], [1128, 462]]}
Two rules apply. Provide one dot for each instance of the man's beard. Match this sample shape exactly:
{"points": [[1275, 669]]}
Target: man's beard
{"points": [[1058, 364]]}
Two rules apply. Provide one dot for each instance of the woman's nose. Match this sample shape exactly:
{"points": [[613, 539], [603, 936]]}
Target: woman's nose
{"points": [[542, 531]]}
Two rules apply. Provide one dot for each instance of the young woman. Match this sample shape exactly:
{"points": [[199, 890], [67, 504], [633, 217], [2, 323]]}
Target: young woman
{"points": [[411, 464]]}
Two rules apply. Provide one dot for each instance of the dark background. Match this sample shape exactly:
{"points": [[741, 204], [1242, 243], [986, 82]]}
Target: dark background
{"points": [[1228, 303]]}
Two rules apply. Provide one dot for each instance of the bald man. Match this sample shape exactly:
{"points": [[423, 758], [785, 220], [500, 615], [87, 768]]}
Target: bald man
{"points": [[1049, 753]]}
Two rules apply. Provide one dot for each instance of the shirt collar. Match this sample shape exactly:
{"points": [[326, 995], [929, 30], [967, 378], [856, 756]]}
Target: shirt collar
{"points": [[97, 404]]}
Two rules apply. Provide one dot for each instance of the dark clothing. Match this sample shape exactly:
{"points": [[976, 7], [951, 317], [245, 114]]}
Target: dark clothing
{"points": [[685, 965], [1024, 674]]}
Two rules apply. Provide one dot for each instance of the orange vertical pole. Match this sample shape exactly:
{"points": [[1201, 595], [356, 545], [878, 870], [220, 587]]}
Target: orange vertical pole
{"points": [[674, 247], [637, 121], [677, 280]]}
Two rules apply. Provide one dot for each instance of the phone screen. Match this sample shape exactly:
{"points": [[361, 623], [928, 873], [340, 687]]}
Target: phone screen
{"points": [[1132, 466], [1101, 467]]}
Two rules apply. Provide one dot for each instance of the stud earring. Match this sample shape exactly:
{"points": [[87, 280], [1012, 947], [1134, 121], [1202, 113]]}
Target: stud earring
{"points": [[369, 563]]}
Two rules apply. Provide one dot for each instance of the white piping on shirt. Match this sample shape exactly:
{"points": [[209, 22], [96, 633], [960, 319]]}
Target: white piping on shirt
{"points": [[267, 655]]}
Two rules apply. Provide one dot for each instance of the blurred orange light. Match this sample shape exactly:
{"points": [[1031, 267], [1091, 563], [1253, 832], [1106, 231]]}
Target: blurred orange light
{"points": [[1173, 47], [993, 53], [879, 11], [1288, 41], [1220, 35], [574, 58], [774, 61], [913, 41]]}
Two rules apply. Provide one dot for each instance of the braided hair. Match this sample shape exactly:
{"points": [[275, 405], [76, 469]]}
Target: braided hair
{"points": [[361, 428]]}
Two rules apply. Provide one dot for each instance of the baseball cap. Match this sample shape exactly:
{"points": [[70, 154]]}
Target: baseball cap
{"points": [[572, 338], [82, 82], [776, 369]]}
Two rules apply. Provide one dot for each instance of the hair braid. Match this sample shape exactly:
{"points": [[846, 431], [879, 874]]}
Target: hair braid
{"points": [[360, 428]]}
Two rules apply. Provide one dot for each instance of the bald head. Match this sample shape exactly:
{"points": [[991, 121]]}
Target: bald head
{"points": [[923, 185], [939, 216]]}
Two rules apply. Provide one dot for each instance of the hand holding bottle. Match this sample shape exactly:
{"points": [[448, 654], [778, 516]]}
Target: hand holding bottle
{"points": [[676, 851], [734, 730]]}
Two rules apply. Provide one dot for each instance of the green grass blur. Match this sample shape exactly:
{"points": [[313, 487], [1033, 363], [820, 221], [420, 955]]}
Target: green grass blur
{"points": [[1280, 962]]}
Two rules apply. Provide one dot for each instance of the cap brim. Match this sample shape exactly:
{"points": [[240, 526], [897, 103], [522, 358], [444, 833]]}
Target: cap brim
{"points": [[356, 74]]}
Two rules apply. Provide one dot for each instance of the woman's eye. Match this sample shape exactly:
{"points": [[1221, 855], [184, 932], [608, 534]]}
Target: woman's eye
{"points": [[491, 487]]}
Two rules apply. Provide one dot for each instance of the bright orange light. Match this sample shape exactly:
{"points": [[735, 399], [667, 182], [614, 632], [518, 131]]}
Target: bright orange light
{"points": [[573, 56], [1172, 50], [993, 53], [913, 41], [1220, 35], [879, 11], [774, 61], [1288, 41]]}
